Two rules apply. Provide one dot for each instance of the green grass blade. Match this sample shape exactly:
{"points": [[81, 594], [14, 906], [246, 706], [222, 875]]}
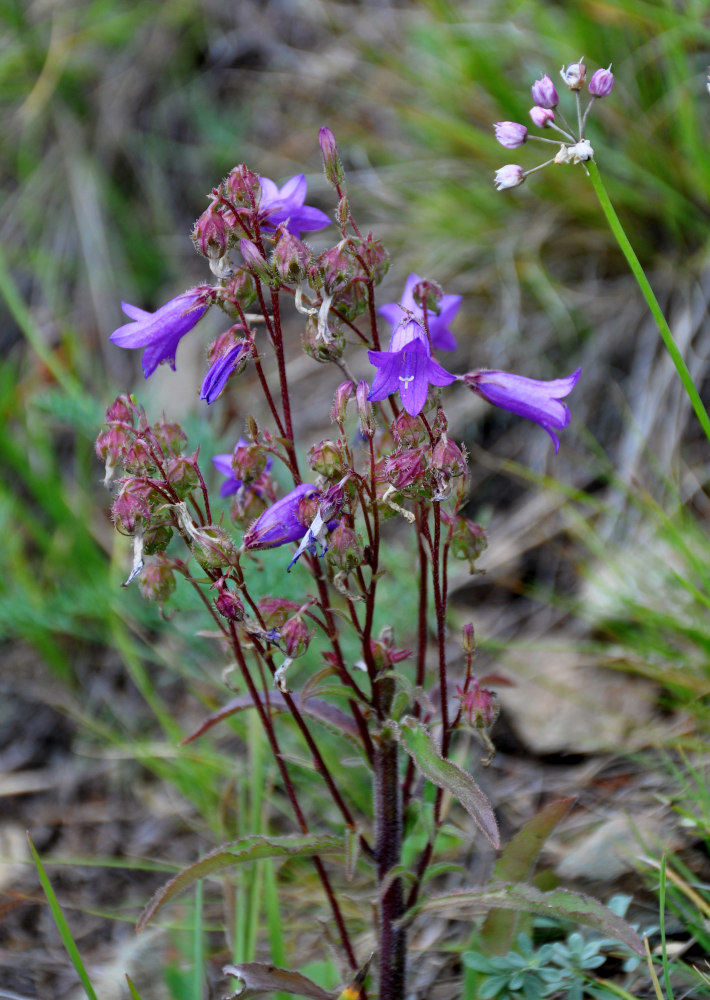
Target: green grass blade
{"points": [[197, 938], [62, 925], [135, 995]]}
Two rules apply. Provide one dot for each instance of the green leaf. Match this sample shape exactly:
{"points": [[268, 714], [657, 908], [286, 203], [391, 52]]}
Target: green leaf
{"points": [[417, 741], [560, 903], [261, 978], [516, 864], [62, 925], [135, 995], [238, 852]]}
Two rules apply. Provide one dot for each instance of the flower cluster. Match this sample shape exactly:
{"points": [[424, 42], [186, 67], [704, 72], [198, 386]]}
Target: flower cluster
{"points": [[545, 114]]}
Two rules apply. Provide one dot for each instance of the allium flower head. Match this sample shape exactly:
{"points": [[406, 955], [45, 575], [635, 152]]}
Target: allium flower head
{"points": [[602, 83], [160, 332], [442, 339], [510, 134], [544, 93], [286, 204], [536, 400], [407, 368]]}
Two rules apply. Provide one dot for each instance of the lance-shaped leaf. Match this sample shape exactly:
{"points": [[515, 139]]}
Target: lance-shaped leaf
{"points": [[319, 710], [417, 741], [258, 977], [559, 903], [516, 864], [237, 852]]}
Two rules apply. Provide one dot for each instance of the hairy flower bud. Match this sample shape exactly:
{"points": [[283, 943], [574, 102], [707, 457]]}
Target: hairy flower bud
{"points": [[248, 462], [210, 234], [138, 458], [343, 393], [327, 458], [468, 539], [468, 638], [510, 134], [213, 548], [229, 606], [171, 437], [291, 257], [254, 260], [242, 186], [241, 288], [602, 83], [157, 581], [479, 705], [406, 468], [447, 457], [319, 348], [156, 538], [542, 117], [181, 473], [428, 295], [574, 75], [295, 637], [123, 409], [331, 161], [408, 430], [364, 409], [131, 508], [345, 550]]}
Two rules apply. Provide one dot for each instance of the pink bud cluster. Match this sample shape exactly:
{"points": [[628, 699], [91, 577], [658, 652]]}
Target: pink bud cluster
{"points": [[574, 147]]}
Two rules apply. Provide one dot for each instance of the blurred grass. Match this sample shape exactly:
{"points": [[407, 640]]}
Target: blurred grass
{"points": [[118, 121]]}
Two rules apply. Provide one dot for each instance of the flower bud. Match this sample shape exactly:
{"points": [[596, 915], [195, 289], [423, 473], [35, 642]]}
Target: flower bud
{"points": [[542, 116], [364, 409], [254, 260], [122, 409], [295, 637], [509, 176], [408, 430], [544, 93], [242, 186], [428, 295], [343, 393], [282, 521], [343, 212], [406, 468], [213, 548], [345, 550], [327, 459], [602, 83], [229, 606], [248, 462], [210, 234], [468, 539], [291, 256], [157, 582], [241, 288], [318, 348], [510, 134], [479, 705], [468, 638], [111, 443], [574, 75], [182, 475], [138, 458], [275, 610], [171, 437], [332, 268], [448, 457], [156, 538], [131, 509], [334, 172]]}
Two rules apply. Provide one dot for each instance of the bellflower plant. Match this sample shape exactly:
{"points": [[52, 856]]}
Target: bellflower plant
{"points": [[392, 709]]}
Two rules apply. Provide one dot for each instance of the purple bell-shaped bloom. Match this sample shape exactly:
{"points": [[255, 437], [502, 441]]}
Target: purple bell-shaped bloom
{"points": [[442, 339], [280, 523], [161, 332], [407, 368], [286, 204], [220, 371], [528, 397]]}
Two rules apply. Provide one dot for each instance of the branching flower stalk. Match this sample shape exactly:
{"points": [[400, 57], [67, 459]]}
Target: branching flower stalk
{"points": [[576, 148], [390, 457]]}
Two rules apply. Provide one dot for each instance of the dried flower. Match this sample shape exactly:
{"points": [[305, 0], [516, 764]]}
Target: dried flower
{"points": [[574, 75]]}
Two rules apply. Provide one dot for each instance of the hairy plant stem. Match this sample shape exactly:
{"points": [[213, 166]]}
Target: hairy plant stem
{"points": [[291, 792], [388, 852], [648, 294]]}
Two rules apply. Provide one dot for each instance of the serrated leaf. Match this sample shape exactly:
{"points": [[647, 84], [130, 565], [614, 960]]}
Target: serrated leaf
{"points": [[238, 852], [418, 742], [258, 977], [559, 903], [516, 864]]}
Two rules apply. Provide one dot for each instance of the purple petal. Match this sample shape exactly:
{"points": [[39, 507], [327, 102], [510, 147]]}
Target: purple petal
{"points": [[218, 375]]}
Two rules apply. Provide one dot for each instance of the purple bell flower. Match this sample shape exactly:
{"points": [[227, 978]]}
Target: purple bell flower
{"points": [[223, 464], [442, 339], [407, 368], [220, 371], [160, 332], [286, 204], [279, 523], [528, 397]]}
